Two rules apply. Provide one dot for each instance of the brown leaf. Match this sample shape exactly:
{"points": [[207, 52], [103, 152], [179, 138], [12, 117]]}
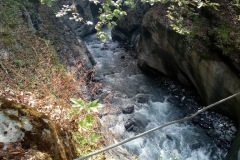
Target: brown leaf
{"points": [[15, 153], [1, 154], [10, 146], [1, 144], [19, 149]]}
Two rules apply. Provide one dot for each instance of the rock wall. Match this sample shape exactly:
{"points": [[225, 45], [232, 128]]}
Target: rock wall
{"points": [[192, 61], [86, 10]]}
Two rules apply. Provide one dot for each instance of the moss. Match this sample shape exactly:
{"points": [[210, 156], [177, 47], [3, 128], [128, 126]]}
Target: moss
{"points": [[11, 13], [7, 38], [225, 39], [53, 142]]}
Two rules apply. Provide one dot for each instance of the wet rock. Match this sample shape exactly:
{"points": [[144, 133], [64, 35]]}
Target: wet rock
{"points": [[195, 146], [98, 91], [122, 56], [142, 98], [128, 109], [96, 79], [228, 138], [196, 119], [169, 137], [135, 129], [182, 99], [129, 125], [233, 129], [214, 133], [220, 125], [172, 86], [133, 125], [173, 99]]}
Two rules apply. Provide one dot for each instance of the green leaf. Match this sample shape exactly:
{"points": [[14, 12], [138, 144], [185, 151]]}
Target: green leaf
{"points": [[86, 122], [93, 137], [77, 102], [47, 2], [74, 111], [95, 102]]}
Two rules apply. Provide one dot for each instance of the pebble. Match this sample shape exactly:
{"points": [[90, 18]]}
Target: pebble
{"points": [[233, 129]]}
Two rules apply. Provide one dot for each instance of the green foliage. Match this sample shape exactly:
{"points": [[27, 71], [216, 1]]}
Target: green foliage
{"points": [[6, 37], [47, 2], [18, 62], [110, 11], [224, 39], [179, 10], [84, 112], [79, 105], [10, 14]]}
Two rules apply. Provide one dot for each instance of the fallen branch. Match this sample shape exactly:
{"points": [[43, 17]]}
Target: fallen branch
{"points": [[157, 128]]}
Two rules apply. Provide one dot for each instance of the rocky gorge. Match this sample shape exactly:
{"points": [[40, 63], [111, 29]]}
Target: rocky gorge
{"points": [[137, 101], [200, 61]]}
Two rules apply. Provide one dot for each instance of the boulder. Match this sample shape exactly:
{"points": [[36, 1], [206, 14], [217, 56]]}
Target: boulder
{"points": [[86, 10], [25, 129], [127, 29], [129, 109]]}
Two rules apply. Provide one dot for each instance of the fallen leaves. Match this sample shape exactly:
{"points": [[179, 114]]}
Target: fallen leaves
{"points": [[12, 151]]}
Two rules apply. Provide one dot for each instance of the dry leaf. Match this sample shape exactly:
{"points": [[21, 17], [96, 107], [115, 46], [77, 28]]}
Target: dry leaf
{"points": [[1, 144]]}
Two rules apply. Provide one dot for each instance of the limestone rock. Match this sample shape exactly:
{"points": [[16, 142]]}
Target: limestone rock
{"points": [[34, 131]]}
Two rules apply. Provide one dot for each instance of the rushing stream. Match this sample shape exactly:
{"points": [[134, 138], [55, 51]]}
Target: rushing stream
{"points": [[139, 103]]}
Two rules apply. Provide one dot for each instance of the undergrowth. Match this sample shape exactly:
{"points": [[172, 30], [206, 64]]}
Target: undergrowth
{"points": [[32, 74]]}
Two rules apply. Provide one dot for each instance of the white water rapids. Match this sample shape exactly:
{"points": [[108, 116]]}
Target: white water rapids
{"points": [[117, 70]]}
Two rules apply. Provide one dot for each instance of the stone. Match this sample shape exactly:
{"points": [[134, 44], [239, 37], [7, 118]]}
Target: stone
{"points": [[142, 98], [34, 131], [196, 120], [122, 56], [220, 125], [228, 138], [129, 124], [172, 86], [182, 99], [135, 129], [5, 54], [233, 129], [128, 109], [214, 133]]}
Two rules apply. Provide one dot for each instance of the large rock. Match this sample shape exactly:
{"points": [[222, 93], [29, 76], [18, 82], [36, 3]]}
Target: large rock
{"points": [[87, 10], [128, 26], [23, 126]]}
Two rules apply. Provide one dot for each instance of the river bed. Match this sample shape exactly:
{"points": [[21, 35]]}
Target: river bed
{"points": [[138, 102]]}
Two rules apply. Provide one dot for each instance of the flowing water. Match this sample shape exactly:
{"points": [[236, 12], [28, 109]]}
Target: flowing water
{"points": [[128, 88]]}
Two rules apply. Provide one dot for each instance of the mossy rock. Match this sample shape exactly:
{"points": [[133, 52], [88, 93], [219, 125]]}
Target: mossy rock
{"points": [[6, 38], [37, 132]]}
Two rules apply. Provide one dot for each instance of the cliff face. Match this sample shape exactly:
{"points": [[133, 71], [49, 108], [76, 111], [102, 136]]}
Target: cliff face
{"points": [[161, 48], [204, 59]]}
